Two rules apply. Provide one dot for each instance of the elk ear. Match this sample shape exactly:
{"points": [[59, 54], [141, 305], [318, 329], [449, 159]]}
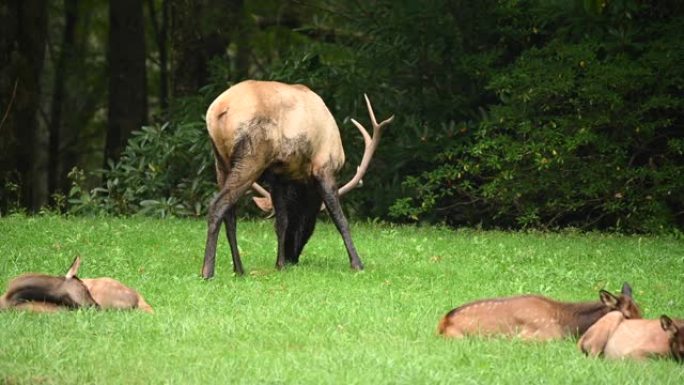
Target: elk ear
{"points": [[73, 270], [608, 299], [626, 290], [667, 325]]}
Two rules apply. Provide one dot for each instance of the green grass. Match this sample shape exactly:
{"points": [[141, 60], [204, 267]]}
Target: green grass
{"points": [[319, 322]]}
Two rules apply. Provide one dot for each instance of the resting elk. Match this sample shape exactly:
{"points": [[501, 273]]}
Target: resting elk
{"points": [[533, 317], [112, 294], [285, 136], [45, 293], [615, 337]]}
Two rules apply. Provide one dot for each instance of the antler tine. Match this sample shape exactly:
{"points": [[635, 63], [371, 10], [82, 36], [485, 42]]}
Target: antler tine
{"points": [[370, 110], [372, 115], [264, 201], [366, 137], [370, 143], [260, 190]]}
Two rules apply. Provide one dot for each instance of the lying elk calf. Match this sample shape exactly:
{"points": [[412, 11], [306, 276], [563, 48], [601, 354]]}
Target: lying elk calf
{"points": [[112, 294], [46, 293], [616, 337], [534, 317], [285, 136]]}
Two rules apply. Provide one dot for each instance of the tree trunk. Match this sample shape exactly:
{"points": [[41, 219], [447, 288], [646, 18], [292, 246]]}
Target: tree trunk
{"points": [[127, 78], [57, 145], [163, 41], [199, 32], [244, 32], [23, 32], [160, 29]]}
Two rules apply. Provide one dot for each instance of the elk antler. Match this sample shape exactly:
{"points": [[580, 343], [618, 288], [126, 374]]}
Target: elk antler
{"points": [[371, 144], [264, 201]]}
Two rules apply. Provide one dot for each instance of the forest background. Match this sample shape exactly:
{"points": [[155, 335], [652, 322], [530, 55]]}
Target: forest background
{"points": [[510, 113]]}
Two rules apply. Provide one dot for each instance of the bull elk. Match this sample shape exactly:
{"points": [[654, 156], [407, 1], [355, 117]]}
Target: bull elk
{"points": [[615, 337], [285, 136], [44, 293], [534, 317]]}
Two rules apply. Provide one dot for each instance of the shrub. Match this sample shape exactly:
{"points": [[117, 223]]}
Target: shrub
{"points": [[585, 134], [165, 170]]}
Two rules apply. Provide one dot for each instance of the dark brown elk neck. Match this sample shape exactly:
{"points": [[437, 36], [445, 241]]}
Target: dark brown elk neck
{"points": [[40, 288], [578, 317]]}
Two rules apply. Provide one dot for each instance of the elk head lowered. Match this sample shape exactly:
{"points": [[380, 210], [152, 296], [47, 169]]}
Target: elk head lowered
{"points": [[285, 136]]}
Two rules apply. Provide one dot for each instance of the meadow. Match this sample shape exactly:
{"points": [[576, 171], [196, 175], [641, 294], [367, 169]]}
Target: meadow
{"points": [[319, 322]]}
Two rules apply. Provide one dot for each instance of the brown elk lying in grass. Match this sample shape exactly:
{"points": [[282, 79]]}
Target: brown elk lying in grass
{"points": [[112, 294], [614, 336], [285, 136], [533, 317], [44, 293]]}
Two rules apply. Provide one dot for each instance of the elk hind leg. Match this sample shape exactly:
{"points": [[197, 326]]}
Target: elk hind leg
{"points": [[246, 167], [229, 219], [222, 210], [230, 222]]}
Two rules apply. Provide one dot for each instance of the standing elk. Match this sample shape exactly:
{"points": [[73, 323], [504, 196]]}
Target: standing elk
{"points": [[534, 317], [285, 136], [615, 337], [46, 293]]}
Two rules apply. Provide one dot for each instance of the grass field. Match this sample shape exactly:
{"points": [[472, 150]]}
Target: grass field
{"points": [[319, 322]]}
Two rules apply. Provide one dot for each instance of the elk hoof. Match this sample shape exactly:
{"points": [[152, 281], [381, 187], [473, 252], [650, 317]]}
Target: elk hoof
{"points": [[207, 273]]}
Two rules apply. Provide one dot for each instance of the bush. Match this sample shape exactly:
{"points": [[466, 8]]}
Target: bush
{"points": [[586, 134], [165, 170]]}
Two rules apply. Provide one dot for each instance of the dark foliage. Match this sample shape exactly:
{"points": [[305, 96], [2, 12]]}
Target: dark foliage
{"points": [[587, 132], [510, 113]]}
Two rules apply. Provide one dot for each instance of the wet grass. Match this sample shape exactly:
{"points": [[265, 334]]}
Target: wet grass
{"points": [[319, 322]]}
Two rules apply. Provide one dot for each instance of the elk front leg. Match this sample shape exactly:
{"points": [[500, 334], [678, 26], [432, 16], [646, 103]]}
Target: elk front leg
{"points": [[328, 191]]}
